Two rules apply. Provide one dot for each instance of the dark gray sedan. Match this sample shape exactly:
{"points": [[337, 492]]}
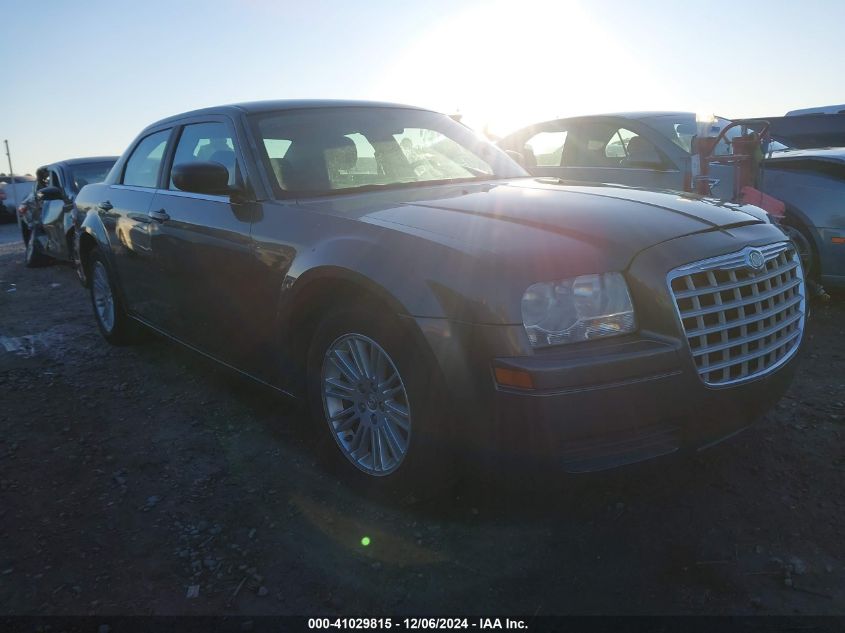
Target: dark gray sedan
{"points": [[430, 299]]}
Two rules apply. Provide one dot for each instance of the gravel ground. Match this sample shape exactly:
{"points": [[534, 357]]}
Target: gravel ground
{"points": [[145, 480]]}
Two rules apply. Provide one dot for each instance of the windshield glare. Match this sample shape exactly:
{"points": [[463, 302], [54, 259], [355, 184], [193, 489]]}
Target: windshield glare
{"points": [[330, 150]]}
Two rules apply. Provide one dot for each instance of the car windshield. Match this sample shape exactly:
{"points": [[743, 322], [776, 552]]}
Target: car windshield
{"points": [[332, 150], [89, 173]]}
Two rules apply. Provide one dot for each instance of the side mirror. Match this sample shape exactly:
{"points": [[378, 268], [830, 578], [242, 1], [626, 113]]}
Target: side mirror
{"points": [[50, 193], [202, 177]]}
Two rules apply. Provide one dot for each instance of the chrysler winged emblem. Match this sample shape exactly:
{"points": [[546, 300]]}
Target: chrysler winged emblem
{"points": [[754, 260]]}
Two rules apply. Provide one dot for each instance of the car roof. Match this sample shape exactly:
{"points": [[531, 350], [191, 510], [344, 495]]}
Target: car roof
{"points": [[645, 114], [649, 114], [68, 162], [284, 104]]}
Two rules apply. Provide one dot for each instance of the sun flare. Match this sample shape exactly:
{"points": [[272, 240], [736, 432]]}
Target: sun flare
{"points": [[503, 65]]}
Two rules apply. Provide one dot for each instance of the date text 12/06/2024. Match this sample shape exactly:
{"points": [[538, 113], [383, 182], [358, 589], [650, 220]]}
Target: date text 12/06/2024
{"points": [[416, 623]]}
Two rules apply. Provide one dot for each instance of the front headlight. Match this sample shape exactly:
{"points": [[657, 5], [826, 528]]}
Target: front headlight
{"points": [[579, 309]]}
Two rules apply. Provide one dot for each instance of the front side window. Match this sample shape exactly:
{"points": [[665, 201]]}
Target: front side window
{"points": [[143, 165], [594, 145], [547, 148], [202, 142], [330, 150]]}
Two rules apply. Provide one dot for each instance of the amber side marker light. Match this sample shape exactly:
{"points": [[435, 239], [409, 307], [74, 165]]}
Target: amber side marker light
{"points": [[837, 240], [513, 378]]}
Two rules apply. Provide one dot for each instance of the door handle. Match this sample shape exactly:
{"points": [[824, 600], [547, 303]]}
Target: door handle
{"points": [[105, 206], [159, 216]]}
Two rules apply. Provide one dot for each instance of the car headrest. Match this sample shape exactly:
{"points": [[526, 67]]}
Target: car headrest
{"points": [[638, 146], [341, 155], [304, 168], [225, 158]]}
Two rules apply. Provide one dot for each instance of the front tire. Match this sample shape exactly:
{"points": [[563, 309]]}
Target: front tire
{"points": [[114, 324], [76, 258], [33, 257], [379, 406]]}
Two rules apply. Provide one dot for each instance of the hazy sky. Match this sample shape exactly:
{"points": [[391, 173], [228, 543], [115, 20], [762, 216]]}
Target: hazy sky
{"points": [[83, 77]]}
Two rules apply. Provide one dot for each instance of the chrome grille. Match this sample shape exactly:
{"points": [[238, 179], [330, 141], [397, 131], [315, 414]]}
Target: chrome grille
{"points": [[741, 322]]}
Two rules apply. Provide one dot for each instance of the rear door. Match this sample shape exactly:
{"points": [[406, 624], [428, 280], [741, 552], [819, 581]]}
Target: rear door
{"points": [[124, 210], [202, 247]]}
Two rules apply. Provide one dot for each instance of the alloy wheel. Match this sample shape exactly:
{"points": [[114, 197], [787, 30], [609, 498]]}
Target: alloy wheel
{"points": [[366, 404], [103, 298]]}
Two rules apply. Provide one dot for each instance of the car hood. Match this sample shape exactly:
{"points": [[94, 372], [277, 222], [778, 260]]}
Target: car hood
{"points": [[519, 215], [829, 154], [808, 130], [487, 242], [622, 218]]}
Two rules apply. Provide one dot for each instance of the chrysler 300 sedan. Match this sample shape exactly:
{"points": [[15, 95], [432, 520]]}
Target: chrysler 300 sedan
{"points": [[431, 300]]}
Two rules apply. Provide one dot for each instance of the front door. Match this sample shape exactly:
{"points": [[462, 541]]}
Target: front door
{"points": [[203, 251]]}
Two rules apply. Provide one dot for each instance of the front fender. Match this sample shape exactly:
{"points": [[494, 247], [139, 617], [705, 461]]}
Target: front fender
{"points": [[367, 261], [92, 233], [92, 225]]}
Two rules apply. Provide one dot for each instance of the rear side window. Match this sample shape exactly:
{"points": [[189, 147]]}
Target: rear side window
{"points": [[618, 145], [202, 142], [143, 165]]}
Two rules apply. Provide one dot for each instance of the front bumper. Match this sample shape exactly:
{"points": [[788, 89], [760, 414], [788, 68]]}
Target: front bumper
{"points": [[604, 403], [636, 401]]}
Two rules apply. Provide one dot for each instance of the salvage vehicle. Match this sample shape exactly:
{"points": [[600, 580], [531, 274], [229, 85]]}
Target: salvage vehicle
{"points": [[432, 301], [655, 150], [48, 216]]}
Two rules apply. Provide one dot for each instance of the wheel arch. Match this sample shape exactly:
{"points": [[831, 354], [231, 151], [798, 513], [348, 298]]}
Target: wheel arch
{"points": [[315, 292], [92, 234], [802, 223]]}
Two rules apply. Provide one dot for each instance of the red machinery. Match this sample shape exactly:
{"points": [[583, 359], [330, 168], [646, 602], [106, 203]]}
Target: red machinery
{"points": [[745, 155]]}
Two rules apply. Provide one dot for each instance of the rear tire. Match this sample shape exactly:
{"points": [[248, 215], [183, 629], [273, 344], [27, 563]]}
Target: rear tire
{"points": [[379, 407], [115, 326]]}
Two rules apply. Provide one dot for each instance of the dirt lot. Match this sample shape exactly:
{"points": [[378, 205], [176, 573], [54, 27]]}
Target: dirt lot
{"points": [[133, 478]]}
